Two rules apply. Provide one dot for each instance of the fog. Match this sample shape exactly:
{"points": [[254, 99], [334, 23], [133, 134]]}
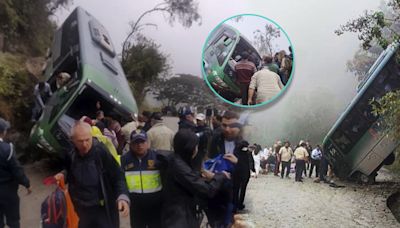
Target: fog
{"points": [[321, 87]]}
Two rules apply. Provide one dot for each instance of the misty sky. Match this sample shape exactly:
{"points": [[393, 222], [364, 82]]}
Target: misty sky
{"points": [[248, 24], [320, 56]]}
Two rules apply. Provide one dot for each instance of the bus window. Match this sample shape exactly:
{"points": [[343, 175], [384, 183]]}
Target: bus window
{"points": [[342, 141]]}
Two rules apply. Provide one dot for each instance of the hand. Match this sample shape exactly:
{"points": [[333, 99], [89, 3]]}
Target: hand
{"points": [[28, 190], [227, 175], [59, 177], [207, 174], [123, 208], [232, 158]]}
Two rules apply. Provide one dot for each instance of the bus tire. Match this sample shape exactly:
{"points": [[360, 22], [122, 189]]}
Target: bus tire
{"points": [[390, 159], [367, 179]]}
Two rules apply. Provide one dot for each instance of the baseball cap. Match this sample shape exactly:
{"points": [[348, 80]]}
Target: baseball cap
{"points": [[4, 124], [138, 137], [200, 116]]}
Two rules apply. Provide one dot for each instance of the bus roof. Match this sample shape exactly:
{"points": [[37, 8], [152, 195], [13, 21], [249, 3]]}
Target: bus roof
{"points": [[100, 64], [373, 73]]}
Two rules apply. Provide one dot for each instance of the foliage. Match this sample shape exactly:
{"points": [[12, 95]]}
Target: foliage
{"points": [[184, 11], [388, 108], [362, 61], [144, 65], [184, 89], [26, 26], [375, 27], [263, 39], [15, 86]]}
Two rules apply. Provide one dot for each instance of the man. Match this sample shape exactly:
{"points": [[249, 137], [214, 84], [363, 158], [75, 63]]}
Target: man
{"points": [[100, 119], [309, 150], [208, 116], [96, 182], [142, 173], [160, 136], [41, 93], [267, 83], [268, 61], [316, 155], [300, 155], [277, 147], [61, 80], [127, 130], [286, 154], [11, 175], [147, 120], [224, 143], [186, 117], [204, 133], [244, 70]]}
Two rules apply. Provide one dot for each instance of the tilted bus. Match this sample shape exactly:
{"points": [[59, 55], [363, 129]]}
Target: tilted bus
{"points": [[81, 47], [222, 51], [357, 146]]}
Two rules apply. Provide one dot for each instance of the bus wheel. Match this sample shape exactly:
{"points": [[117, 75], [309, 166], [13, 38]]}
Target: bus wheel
{"points": [[390, 159], [365, 179]]}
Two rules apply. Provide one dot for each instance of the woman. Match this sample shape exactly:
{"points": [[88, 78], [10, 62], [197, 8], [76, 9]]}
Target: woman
{"points": [[183, 185]]}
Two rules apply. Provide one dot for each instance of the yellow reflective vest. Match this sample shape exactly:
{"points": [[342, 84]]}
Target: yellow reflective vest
{"points": [[107, 142], [142, 174]]}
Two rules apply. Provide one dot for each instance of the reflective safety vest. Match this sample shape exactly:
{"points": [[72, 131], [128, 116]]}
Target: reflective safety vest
{"points": [[143, 181], [142, 175]]}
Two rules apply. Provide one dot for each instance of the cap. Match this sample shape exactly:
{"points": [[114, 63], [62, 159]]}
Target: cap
{"points": [[185, 111], [4, 125], [200, 116], [138, 137], [157, 116]]}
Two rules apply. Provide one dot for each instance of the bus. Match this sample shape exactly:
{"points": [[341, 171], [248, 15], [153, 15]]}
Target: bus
{"points": [[82, 48], [357, 146], [220, 55]]}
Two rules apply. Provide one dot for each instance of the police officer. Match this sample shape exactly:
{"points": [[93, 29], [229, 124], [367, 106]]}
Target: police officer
{"points": [[143, 177], [11, 175]]}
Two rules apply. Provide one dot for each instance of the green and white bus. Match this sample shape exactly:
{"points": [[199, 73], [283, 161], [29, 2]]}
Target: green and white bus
{"points": [[82, 47], [222, 51], [356, 146]]}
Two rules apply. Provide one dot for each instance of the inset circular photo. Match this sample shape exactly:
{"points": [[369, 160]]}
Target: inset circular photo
{"points": [[248, 60]]}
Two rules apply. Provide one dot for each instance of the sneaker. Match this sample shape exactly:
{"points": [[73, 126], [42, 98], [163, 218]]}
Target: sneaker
{"points": [[287, 177]]}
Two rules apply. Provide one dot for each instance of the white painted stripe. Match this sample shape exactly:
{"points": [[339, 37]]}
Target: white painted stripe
{"points": [[11, 152]]}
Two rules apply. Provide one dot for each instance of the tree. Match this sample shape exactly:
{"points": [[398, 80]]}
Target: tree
{"points": [[26, 26], [185, 11], [263, 39], [143, 66], [185, 89]]}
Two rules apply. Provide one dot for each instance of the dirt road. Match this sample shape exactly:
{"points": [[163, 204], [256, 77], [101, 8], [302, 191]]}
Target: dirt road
{"points": [[276, 202]]}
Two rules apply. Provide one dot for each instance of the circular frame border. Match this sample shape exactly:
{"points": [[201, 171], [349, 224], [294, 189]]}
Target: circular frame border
{"points": [[265, 102]]}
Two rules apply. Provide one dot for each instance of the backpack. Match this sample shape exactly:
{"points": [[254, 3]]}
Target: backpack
{"points": [[54, 210], [57, 210]]}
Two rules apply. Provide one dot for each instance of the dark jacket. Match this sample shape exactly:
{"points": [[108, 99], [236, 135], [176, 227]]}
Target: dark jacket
{"points": [[204, 134], [84, 176], [11, 172], [186, 124], [182, 187]]}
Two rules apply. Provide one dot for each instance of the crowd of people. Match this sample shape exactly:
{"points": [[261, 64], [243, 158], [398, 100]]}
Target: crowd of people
{"points": [[283, 159], [143, 169], [260, 85]]}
